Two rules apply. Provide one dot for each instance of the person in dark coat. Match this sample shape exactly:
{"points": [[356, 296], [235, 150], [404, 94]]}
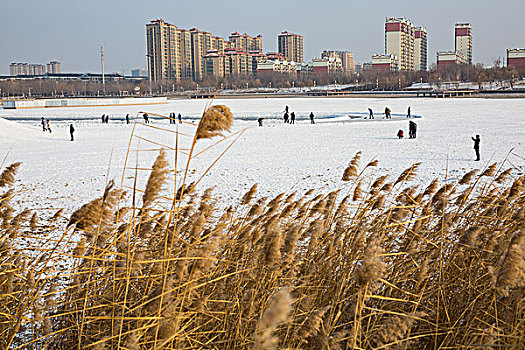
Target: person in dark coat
{"points": [[146, 118], [127, 118], [412, 128], [180, 118], [286, 109], [370, 113], [477, 140], [292, 118], [387, 113], [400, 134], [71, 131], [286, 117], [43, 122], [260, 121], [107, 119], [103, 118], [312, 118], [408, 113]]}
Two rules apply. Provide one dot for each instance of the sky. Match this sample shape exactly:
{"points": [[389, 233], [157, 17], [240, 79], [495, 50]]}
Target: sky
{"points": [[71, 31]]}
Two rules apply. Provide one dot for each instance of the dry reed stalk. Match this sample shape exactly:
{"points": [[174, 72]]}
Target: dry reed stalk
{"points": [[214, 122], [7, 177], [275, 314]]}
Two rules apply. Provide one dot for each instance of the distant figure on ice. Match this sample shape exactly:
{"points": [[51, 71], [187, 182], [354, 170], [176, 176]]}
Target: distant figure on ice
{"points": [[312, 118], [180, 118], [43, 122], [146, 118], [286, 109], [127, 118], [408, 113], [107, 119], [387, 113], [477, 140], [48, 127], [292, 118], [412, 129], [286, 117], [370, 113], [103, 118], [260, 121], [71, 131], [400, 134]]}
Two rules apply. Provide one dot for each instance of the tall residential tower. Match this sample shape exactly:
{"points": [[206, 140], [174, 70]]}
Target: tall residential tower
{"points": [[400, 41], [420, 49], [291, 46], [464, 40]]}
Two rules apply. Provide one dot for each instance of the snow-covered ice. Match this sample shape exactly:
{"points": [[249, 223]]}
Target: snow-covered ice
{"points": [[280, 158]]}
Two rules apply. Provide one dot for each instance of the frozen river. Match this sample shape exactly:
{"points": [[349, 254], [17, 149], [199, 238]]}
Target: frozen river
{"points": [[279, 157]]}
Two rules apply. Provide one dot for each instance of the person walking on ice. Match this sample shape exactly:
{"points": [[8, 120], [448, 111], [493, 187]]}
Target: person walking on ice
{"points": [[370, 113], [127, 118], [71, 132], [48, 127], [292, 118], [312, 118], [408, 113], [146, 118], [260, 121], [286, 117], [412, 129], [43, 122], [477, 140]]}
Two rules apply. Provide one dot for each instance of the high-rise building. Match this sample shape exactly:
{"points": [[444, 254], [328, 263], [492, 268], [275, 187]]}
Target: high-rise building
{"points": [[400, 41], [420, 49], [139, 72], [53, 67], [464, 40], [26, 69], [179, 54], [163, 51], [245, 42], [346, 57], [291, 46]]}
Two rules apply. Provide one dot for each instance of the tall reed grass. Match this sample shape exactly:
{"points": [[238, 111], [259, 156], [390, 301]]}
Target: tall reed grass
{"points": [[378, 264]]}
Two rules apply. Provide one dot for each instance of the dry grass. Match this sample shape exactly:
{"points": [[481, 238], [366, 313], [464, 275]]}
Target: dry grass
{"points": [[377, 265]]}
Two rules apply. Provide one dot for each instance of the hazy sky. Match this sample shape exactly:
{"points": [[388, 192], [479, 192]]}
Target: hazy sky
{"points": [[71, 31]]}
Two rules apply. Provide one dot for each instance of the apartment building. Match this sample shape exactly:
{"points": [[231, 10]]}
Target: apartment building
{"points": [[179, 54], [420, 49], [30, 69], [290, 45], [400, 41], [463, 33], [346, 57], [516, 59], [450, 58], [53, 67], [385, 63], [245, 42]]}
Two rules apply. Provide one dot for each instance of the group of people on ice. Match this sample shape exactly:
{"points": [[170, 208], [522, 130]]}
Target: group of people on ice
{"points": [[46, 126]]}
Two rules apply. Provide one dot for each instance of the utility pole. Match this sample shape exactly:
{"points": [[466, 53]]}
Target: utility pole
{"points": [[102, 61]]}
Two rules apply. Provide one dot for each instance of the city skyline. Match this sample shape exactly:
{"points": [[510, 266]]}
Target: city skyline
{"points": [[72, 33]]}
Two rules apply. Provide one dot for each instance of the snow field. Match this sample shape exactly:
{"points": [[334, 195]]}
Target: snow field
{"points": [[280, 158]]}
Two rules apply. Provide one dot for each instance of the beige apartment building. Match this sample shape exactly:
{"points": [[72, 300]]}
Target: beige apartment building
{"points": [[346, 57], [463, 33], [291, 46], [420, 49], [179, 54], [245, 42], [399, 41]]}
